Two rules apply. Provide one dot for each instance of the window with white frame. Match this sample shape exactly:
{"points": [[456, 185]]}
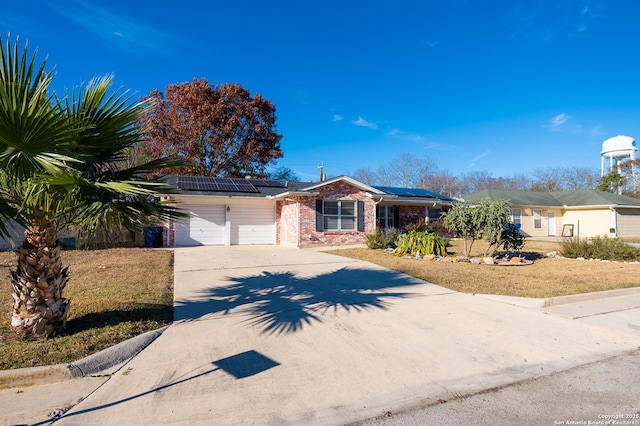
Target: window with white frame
{"points": [[516, 216], [339, 215], [537, 219]]}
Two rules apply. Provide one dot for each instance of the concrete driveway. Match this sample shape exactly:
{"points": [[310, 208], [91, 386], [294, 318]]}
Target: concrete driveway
{"points": [[273, 335]]}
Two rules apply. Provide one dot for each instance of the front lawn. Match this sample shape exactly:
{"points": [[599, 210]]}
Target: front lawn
{"points": [[547, 277], [115, 294]]}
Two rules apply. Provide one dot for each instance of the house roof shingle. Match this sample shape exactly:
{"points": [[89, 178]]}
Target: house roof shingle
{"points": [[576, 198], [238, 187]]}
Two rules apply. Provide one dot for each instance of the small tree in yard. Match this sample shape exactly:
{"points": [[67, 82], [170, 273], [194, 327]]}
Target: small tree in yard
{"points": [[486, 220], [492, 218], [461, 218]]}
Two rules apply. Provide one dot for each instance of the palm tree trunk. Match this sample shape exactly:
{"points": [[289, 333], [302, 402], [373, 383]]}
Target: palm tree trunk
{"points": [[39, 310]]}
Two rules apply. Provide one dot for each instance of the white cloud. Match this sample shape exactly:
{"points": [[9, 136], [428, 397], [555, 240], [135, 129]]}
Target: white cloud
{"points": [[114, 28], [478, 157], [409, 137], [430, 43], [364, 123], [556, 123], [337, 117]]}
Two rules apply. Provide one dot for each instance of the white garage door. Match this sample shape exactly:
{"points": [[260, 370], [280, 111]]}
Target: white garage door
{"points": [[204, 226], [253, 224]]}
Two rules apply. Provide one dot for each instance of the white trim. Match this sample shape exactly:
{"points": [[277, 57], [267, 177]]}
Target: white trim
{"points": [[519, 216], [293, 194], [533, 215], [356, 183], [340, 216]]}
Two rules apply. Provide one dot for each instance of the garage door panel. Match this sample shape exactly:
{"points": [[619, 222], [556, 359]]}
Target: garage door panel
{"points": [[204, 226], [253, 225]]}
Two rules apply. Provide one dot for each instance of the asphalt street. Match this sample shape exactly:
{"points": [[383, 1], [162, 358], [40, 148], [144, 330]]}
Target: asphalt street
{"points": [[601, 393]]}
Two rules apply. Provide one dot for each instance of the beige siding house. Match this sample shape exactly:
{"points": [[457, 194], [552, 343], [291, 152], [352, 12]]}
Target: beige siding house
{"points": [[583, 213]]}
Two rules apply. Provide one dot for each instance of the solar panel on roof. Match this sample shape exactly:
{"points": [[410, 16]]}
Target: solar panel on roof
{"points": [[227, 187], [267, 183], [210, 183], [247, 187], [187, 182], [208, 186], [410, 192]]}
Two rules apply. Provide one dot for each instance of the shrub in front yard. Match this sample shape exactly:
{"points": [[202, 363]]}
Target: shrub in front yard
{"points": [[421, 242], [604, 248], [382, 239]]}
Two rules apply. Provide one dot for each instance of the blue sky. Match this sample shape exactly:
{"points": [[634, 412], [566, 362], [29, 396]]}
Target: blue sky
{"points": [[501, 86]]}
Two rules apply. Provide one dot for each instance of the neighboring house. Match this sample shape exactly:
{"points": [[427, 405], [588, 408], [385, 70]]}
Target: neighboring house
{"points": [[583, 213], [341, 210]]}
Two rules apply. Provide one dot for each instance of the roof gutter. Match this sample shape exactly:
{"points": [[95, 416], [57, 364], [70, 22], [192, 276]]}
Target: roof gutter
{"points": [[422, 202], [294, 194], [600, 206], [387, 196]]}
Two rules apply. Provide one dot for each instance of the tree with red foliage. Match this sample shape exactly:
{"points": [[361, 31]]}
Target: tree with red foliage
{"points": [[222, 130]]}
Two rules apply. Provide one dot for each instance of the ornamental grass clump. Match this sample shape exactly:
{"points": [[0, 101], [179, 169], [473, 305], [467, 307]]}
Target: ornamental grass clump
{"points": [[417, 243]]}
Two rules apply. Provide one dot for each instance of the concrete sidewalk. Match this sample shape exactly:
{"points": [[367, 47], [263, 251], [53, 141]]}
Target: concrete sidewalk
{"points": [[271, 335]]}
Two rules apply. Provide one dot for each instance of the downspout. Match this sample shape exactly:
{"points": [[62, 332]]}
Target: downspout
{"points": [[375, 213], [299, 224], [614, 220]]}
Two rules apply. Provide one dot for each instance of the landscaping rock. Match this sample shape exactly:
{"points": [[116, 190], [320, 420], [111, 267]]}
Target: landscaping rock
{"points": [[488, 260], [429, 257]]}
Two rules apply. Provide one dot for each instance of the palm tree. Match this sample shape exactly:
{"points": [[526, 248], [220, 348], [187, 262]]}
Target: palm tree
{"points": [[61, 167]]}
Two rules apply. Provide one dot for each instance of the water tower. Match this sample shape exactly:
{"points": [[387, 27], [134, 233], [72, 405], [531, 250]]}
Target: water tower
{"points": [[619, 149]]}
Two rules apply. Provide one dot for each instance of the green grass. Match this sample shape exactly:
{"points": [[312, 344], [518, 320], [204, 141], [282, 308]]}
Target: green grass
{"points": [[115, 294]]}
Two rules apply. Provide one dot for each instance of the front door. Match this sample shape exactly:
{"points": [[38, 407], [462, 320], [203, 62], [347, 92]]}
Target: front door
{"points": [[551, 222]]}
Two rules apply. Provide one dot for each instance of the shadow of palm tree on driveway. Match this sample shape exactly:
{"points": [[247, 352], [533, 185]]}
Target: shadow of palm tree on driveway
{"points": [[284, 302]]}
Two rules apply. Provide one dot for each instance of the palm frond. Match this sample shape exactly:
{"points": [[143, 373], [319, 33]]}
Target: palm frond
{"points": [[34, 131]]}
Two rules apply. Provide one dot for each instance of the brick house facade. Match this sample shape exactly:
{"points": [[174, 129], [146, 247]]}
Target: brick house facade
{"points": [[307, 224], [339, 211]]}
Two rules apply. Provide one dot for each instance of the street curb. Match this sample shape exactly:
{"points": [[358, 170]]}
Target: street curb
{"points": [[529, 302], [560, 300], [84, 367]]}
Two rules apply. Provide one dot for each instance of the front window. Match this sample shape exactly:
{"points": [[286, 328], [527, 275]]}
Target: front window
{"points": [[435, 214], [516, 216], [537, 219], [340, 215], [385, 216]]}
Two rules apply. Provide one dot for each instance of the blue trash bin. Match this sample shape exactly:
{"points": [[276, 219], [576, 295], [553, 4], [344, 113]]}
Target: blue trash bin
{"points": [[153, 236]]}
